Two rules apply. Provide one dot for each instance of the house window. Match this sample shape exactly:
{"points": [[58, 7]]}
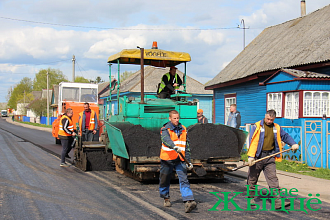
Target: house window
{"points": [[274, 101], [316, 104], [229, 99], [291, 105]]}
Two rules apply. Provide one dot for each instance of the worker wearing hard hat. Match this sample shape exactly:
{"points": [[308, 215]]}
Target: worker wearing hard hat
{"points": [[201, 118], [175, 141], [171, 82]]}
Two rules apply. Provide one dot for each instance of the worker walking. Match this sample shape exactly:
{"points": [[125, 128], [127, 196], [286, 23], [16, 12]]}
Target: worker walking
{"points": [[265, 139], [175, 141], [87, 123], [171, 82], [234, 117], [66, 134], [201, 118]]}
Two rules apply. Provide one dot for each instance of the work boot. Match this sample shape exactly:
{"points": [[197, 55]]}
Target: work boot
{"points": [[190, 205], [167, 203], [64, 165], [278, 203]]}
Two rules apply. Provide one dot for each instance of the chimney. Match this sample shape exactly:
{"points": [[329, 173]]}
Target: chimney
{"points": [[303, 8]]}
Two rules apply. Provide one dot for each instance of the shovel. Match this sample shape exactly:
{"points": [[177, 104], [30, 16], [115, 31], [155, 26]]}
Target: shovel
{"points": [[199, 171], [272, 155]]}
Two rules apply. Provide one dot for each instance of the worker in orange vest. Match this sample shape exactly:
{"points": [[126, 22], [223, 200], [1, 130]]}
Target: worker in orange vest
{"points": [[66, 134], [175, 141], [87, 123], [265, 139]]}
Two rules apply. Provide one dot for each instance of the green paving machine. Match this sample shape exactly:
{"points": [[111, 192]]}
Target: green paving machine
{"points": [[133, 134]]}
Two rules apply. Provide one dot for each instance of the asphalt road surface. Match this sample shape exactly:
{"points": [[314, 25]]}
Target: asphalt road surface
{"points": [[34, 186]]}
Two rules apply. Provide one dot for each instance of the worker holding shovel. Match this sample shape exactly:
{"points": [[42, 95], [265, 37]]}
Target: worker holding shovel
{"points": [[174, 152], [265, 139]]}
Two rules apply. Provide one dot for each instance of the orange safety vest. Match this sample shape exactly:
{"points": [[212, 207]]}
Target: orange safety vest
{"points": [[255, 141], [167, 153], [91, 120], [70, 127]]}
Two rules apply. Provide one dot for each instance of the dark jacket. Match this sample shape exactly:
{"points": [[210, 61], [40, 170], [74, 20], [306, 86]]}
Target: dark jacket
{"points": [[285, 137], [203, 120], [169, 83], [165, 137], [65, 123]]}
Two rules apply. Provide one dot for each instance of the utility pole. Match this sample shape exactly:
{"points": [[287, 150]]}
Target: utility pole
{"points": [[73, 67], [242, 22], [47, 100]]}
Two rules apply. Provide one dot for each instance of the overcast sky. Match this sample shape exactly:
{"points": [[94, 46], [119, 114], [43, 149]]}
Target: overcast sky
{"points": [[37, 34]]}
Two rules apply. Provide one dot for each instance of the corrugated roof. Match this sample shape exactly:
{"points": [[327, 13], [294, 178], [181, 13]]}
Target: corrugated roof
{"points": [[301, 41], [152, 76], [306, 74]]}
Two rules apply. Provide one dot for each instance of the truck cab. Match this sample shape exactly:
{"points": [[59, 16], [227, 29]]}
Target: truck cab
{"points": [[74, 95]]}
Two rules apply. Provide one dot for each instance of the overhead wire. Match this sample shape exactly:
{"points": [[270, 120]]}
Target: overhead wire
{"points": [[120, 28]]}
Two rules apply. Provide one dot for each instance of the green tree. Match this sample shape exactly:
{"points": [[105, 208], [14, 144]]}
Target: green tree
{"points": [[17, 94], [55, 76], [99, 80], [81, 79], [125, 75], [39, 107]]}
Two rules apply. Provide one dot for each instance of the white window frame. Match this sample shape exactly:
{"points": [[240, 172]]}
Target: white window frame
{"points": [[229, 101], [317, 104], [274, 101], [291, 105]]}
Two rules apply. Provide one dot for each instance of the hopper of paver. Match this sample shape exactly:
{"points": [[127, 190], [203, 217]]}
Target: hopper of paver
{"points": [[137, 149]]}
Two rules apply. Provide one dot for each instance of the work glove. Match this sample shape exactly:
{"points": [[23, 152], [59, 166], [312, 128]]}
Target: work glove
{"points": [[251, 161], [190, 166], [177, 149], [295, 147]]}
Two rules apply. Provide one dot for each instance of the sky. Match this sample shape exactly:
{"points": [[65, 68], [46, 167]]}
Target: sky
{"points": [[40, 34]]}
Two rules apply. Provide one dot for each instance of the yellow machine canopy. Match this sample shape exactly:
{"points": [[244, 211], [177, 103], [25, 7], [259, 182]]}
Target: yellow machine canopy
{"points": [[153, 57]]}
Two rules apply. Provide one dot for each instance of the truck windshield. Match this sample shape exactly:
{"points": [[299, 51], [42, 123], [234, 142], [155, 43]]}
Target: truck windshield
{"points": [[88, 95], [70, 94]]}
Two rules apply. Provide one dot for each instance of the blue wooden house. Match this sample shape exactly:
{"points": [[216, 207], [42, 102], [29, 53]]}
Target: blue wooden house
{"points": [[131, 87], [285, 68]]}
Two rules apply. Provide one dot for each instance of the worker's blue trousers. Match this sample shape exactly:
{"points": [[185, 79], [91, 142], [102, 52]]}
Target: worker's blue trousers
{"points": [[166, 169]]}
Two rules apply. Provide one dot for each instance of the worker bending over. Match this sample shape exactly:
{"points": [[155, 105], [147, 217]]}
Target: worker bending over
{"points": [[175, 141]]}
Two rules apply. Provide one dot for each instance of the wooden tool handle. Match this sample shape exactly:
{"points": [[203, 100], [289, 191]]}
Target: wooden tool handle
{"points": [[269, 156]]}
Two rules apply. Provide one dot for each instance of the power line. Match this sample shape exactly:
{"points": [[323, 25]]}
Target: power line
{"points": [[123, 29]]}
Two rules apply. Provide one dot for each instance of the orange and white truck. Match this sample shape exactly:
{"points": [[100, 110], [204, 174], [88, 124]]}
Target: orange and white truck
{"points": [[74, 95]]}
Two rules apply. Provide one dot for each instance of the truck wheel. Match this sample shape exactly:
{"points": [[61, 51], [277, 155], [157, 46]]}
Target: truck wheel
{"points": [[57, 141]]}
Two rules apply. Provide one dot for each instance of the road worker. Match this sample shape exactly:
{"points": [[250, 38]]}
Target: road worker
{"points": [[87, 123], [234, 117], [265, 139], [201, 118], [66, 134], [175, 141], [171, 82]]}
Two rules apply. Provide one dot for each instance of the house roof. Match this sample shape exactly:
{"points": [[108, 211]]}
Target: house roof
{"points": [[152, 76], [298, 75], [297, 42], [37, 94], [306, 74]]}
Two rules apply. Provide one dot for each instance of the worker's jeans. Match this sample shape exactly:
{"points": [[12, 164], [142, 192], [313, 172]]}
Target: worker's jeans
{"points": [[66, 148], [166, 169], [269, 168], [87, 135]]}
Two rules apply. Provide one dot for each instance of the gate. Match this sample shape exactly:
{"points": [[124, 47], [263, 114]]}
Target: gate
{"points": [[313, 143]]}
